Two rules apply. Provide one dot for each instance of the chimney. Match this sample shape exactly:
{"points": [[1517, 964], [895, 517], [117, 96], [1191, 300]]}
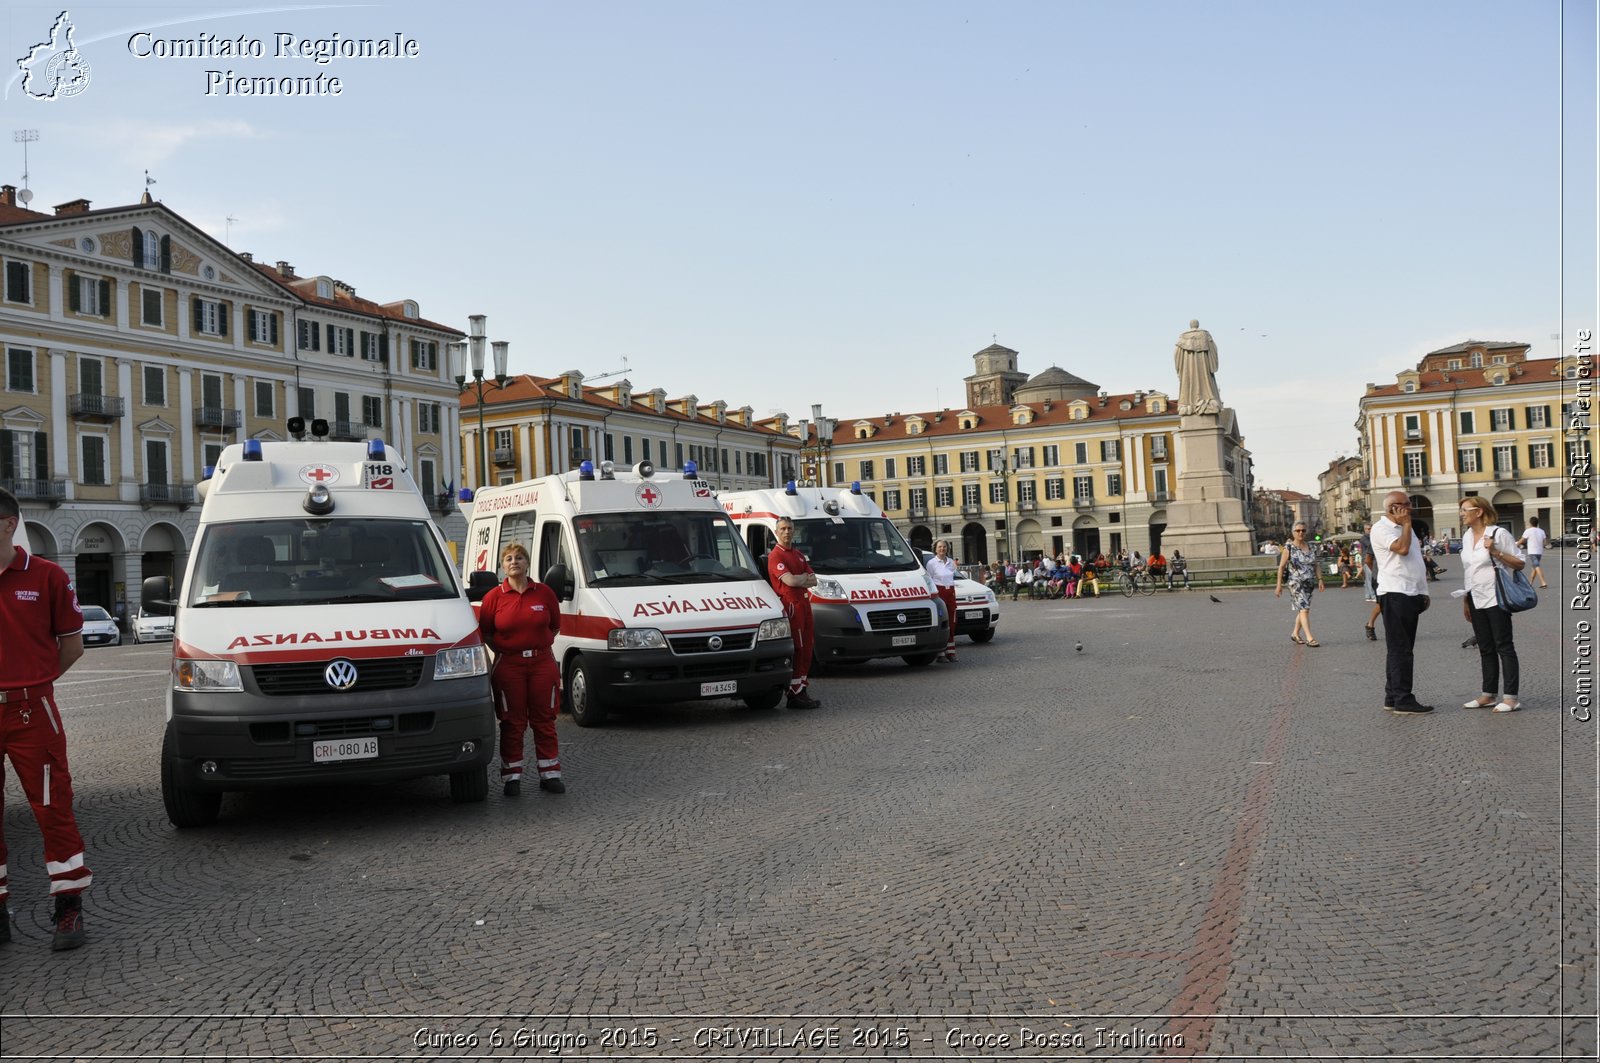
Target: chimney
{"points": [[285, 270], [247, 256], [8, 195], [72, 206], [1046, 405]]}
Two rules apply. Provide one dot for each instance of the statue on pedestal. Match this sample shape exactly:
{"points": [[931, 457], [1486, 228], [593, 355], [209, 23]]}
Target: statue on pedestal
{"points": [[1196, 361]]}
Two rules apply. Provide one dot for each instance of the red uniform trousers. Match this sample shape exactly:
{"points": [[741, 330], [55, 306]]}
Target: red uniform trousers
{"points": [[804, 633], [32, 736], [527, 692], [948, 596]]}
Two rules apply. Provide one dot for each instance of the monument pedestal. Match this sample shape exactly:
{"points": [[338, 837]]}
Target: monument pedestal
{"points": [[1206, 519]]}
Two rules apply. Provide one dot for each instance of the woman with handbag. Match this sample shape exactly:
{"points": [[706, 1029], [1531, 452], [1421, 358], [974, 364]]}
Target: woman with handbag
{"points": [[1300, 561], [1484, 545]]}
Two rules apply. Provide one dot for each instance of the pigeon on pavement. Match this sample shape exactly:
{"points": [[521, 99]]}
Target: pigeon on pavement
{"points": [[1214, 598]]}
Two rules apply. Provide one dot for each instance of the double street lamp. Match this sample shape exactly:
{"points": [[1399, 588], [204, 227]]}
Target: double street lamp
{"points": [[458, 351]]}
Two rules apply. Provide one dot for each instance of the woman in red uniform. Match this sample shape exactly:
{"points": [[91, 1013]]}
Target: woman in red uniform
{"points": [[519, 620]]}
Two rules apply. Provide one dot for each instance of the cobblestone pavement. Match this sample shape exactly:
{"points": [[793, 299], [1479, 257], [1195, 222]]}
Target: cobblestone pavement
{"points": [[1191, 838]]}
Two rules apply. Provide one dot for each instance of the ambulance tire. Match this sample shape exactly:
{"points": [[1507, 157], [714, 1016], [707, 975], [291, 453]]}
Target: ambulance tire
{"points": [[584, 699], [469, 787], [764, 701], [185, 807], [986, 635], [920, 660]]}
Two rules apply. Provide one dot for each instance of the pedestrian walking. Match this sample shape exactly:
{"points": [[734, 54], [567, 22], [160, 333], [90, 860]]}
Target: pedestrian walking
{"points": [[519, 620], [1533, 540], [1402, 597], [791, 576], [1299, 562], [942, 570], [41, 636], [1483, 546]]}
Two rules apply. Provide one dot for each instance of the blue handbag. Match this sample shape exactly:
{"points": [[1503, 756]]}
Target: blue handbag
{"points": [[1512, 590]]}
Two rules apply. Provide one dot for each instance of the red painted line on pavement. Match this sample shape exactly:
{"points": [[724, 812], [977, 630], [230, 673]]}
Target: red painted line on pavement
{"points": [[1211, 956]]}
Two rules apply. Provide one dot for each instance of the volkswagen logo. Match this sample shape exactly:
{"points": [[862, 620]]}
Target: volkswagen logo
{"points": [[714, 642], [901, 617], [340, 674]]}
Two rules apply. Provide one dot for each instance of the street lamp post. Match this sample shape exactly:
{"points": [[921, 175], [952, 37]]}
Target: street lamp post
{"points": [[478, 337], [1005, 509]]}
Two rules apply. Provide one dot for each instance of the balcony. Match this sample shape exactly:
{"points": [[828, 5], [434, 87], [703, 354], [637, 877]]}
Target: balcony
{"points": [[96, 407], [440, 502], [1029, 506], [52, 491], [581, 454], [1414, 481], [503, 456], [1160, 496], [180, 495], [219, 417], [347, 431], [971, 510], [1083, 503], [1508, 474], [919, 513]]}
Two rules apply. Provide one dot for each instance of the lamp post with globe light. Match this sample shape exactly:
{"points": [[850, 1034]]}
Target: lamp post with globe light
{"points": [[477, 338]]}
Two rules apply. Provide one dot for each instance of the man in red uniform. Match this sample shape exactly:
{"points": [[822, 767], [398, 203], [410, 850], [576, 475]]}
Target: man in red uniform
{"points": [[519, 620], [41, 636], [791, 576]]}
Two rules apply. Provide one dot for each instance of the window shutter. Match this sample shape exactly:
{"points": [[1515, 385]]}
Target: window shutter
{"points": [[331, 347], [105, 298], [1466, 422], [383, 348], [224, 311], [138, 248], [41, 456], [166, 254], [74, 302], [1511, 418], [272, 328], [7, 457], [198, 315]]}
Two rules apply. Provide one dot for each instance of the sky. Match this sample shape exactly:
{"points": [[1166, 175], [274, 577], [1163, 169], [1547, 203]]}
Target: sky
{"points": [[788, 204]]}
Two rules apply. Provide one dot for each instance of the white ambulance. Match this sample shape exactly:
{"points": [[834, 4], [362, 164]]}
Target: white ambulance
{"points": [[321, 636], [873, 598], [660, 600]]}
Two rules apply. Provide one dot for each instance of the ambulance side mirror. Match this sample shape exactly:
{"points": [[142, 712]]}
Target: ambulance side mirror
{"points": [[155, 595], [559, 579], [479, 584]]}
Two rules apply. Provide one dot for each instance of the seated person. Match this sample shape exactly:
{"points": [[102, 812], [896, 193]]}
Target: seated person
{"points": [[1089, 586], [1158, 565]]}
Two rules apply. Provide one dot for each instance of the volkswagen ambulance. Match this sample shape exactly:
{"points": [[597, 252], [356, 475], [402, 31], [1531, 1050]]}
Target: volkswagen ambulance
{"points": [[321, 633], [873, 598], [660, 600]]}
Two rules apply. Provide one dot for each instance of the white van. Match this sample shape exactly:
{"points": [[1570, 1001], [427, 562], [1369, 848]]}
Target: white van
{"points": [[321, 635], [660, 600], [873, 598]]}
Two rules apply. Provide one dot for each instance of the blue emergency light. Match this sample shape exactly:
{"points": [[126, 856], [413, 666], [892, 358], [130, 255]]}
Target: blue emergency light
{"points": [[375, 451], [586, 470], [208, 472], [464, 495], [252, 450], [688, 470], [855, 487], [789, 488]]}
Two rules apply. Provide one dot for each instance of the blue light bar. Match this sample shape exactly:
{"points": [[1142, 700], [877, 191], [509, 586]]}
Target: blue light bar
{"points": [[464, 495], [586, 470], [855, 487], [252, 450], [375, 451], [689, 470], [789, 488], [208, 472]]}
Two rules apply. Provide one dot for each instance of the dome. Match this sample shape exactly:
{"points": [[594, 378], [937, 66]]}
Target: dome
{"points": [[1056, 385]]}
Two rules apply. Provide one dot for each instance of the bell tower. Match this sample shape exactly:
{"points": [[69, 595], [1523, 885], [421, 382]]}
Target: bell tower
{"points": [[995, 379]]}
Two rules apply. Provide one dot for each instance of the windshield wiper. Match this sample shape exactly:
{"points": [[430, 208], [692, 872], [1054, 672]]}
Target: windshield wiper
{"points": [[228, 603], [344, 599], [618, 577]]}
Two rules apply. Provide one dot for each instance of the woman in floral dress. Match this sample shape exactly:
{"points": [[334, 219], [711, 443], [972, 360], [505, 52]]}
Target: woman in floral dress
{"points": [[1299, 561]]}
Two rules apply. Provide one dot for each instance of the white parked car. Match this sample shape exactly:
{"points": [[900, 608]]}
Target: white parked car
{"points": [[151, 627], [99, 628], [977, 608]]}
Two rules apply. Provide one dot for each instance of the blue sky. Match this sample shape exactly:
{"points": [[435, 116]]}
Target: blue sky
{"points": [[839, 203]]}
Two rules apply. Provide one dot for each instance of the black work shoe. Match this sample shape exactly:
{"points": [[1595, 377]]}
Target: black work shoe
{"points": [[803, 701], [1411, 708], [552, 786], [69, 924], [514, 788]]}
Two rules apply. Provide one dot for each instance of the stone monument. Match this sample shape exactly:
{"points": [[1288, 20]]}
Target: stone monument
{"points": [[1207, 518]]}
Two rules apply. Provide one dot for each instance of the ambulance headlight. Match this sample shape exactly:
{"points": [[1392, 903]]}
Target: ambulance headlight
{"points": [[636, 638], [773, 629], [829, 588], [460, 662], [205, 677]]}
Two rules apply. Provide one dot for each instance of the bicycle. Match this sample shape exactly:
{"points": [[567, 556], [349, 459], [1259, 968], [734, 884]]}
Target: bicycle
{"points": [[1137, 581]]}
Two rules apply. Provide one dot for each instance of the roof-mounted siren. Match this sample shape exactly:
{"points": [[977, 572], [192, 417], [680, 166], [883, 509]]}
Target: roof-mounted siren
{"points": [[375, 451], [790, 488], [319, 428], [252, 450], [644, 470], [319, 500], [297, 427], [586, 470], [689, 470], [855, 487], [608, 470], [830, 506]]}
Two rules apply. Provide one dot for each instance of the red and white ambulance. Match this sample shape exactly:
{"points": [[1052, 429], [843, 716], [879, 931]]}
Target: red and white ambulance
{"points": [[660, 600], [873, 598], [321, 633]]}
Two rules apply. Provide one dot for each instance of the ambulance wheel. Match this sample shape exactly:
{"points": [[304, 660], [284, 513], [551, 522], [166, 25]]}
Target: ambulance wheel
{"points": [[920, 660], [186, 807], [986, 635], [469, 787], [584, 699], [766, 700]]}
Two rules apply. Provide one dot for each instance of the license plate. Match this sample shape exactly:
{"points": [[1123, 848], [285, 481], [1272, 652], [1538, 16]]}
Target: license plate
{"points": [[335, 749], [973, 614], [727, 686], [903, 640]]}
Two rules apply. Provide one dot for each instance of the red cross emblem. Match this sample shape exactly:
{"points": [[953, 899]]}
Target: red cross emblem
{"points": [[885, 582], [318, 474], [648, 496]]}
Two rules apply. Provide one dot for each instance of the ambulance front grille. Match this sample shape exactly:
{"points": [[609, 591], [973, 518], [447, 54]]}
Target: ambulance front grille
{"points": [[306, 679], [889, 619], [736, 640]]}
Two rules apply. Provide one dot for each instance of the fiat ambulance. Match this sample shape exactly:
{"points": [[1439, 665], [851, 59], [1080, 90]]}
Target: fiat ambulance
{"points": [[660, 600], [321, 633], [872, 598]]}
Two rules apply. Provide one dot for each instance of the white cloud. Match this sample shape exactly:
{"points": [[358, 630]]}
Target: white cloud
{"points": [[150, 143]]}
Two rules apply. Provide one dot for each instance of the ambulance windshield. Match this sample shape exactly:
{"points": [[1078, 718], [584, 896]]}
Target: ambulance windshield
{"points": [[311, 561], [633, 549], [859, 545]]}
